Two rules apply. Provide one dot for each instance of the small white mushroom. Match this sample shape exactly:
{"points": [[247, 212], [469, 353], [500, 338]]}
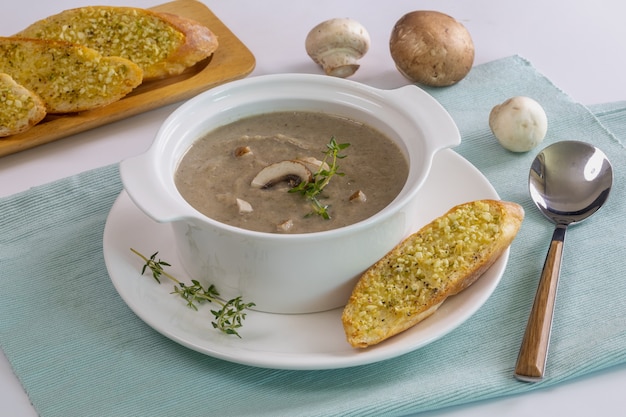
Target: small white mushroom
{"points": [[519, 124], [285, 226], [358, 197], [244, 207], [293, 172], [313, 164], [337, 44]]}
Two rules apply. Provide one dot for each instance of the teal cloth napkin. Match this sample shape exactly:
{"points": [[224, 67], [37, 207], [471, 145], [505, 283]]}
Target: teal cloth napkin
{"points": [[78, 349]]}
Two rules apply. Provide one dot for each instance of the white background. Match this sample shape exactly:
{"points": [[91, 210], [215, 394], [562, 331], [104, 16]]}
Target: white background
{"points": [[580, 45]]}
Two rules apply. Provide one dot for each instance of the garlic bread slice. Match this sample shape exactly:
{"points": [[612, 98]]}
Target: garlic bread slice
{"points": [[443, 258], [67, 77], [162, 44]]}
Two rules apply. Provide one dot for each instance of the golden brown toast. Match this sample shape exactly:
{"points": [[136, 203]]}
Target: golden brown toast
{"points": [[67, 77], [20, 108], [443, 258], [162, 44]]}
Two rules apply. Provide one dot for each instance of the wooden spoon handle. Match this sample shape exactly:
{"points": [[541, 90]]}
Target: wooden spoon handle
{"points": [[531, 362]]}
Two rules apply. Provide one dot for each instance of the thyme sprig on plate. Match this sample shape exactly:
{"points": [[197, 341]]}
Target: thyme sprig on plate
{"points": [[228, 318], [312, 189]]}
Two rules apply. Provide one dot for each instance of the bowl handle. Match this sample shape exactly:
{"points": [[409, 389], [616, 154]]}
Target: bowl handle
{"points": [[145, 186], [440, 124]]}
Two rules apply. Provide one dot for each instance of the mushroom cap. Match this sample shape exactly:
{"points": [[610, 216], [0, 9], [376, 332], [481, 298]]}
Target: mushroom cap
{"points": [[336, 44], [431, 48], [519, 123], [313, 163]]}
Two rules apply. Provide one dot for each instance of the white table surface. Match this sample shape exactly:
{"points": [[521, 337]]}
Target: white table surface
{"points": [[579, 44]]}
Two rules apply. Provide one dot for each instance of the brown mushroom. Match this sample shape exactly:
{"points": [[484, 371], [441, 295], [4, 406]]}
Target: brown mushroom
{"points": [[431, 48]]}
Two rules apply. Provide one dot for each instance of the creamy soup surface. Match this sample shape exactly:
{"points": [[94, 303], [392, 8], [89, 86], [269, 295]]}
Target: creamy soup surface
{"points": [[216, 173]]}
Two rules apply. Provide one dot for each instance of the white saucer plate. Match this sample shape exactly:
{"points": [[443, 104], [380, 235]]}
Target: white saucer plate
{"points": [[301, 341]]}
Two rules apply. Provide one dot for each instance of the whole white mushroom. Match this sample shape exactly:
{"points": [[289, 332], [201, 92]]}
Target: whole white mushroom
{"points": [[337, 44], [519, 124]]}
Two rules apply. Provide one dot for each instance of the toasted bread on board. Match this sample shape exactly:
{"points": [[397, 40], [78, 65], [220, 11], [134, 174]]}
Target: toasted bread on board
{"points": [[20, 108], [67, 77], [443, 258], [162, 44]]}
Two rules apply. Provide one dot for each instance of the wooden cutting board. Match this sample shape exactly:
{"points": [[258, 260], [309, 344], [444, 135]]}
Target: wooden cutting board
{"points": [[232, 60]]}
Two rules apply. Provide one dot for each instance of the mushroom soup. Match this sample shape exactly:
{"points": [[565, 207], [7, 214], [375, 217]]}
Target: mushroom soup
{"points": [[241, 174]]}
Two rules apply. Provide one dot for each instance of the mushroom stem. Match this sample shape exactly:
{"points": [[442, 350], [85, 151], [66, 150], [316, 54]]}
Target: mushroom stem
{"points": [[338, 63]]}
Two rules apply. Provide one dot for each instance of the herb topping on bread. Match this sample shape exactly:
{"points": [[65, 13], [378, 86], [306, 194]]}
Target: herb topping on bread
{"points": [[443, 258], [67, 77], [20, 108], [161, 44]]}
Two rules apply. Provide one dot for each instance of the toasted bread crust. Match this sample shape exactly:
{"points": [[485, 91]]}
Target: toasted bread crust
{"points": [[161, 44], [200, 43], [20, 108], [443, 258], [67, 77]]}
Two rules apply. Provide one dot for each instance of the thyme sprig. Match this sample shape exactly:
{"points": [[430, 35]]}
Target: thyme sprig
{"points": [[312, 189], [228, 318]]}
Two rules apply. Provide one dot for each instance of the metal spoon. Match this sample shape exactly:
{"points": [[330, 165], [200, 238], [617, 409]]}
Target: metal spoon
{"points": [[568, 182]]}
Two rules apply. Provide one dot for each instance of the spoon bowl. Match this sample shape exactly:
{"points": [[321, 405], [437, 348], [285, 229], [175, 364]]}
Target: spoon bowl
{"points": [[568, 182]]}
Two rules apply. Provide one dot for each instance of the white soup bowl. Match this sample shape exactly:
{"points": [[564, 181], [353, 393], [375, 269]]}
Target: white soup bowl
{"points": [[288, 273]]}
